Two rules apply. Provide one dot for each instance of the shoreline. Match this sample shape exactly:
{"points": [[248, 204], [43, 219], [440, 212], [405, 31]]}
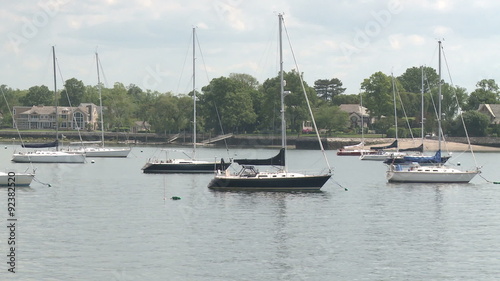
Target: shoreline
{"points": [[479, 144]]}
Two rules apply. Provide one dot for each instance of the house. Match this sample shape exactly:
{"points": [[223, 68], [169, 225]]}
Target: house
{"points": [[84, 116], [355, 112], [140, 127], [492, 111]]}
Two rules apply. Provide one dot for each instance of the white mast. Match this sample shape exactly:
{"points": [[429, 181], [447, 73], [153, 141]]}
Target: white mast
{"points": [[439, 99], [282, 89], [422, 107], [395, 108], [194, 96], [55, 95], [100, 99]]}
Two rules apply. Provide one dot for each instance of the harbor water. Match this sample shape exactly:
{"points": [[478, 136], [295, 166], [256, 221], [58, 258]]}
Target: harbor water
{"points": [[106, 220]]}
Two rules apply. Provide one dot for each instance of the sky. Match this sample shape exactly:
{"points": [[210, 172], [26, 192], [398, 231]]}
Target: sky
{"points": [[149, 42]]}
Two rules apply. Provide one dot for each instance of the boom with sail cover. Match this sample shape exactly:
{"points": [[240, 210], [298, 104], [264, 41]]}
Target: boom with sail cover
{"points": [[278, 160], [41, 145], [394, 144]]}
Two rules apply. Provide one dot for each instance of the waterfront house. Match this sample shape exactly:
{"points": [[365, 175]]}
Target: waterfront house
{"points": [[492, 111], [355, 112], [39, 117]]}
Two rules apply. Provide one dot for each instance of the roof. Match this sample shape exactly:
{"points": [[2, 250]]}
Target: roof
{"points": [[47, 110], [492, 109], [354, 108]]}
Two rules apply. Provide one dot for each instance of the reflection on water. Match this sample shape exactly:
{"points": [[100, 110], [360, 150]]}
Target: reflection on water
{"points": [[109, 221]]}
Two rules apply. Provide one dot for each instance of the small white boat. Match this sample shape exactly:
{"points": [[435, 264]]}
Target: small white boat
{"points": [[47, 156], [101, 151], [381, 155], [429, 174], [17, 179]]}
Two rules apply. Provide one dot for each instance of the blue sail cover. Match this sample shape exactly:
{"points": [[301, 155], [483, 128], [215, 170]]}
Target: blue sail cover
{"points": [[424, 159], [41, 145], [278, 160], [394, 144]]}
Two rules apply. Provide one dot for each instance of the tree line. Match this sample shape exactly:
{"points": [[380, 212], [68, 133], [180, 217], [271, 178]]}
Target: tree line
{"points": [[240, 104]]}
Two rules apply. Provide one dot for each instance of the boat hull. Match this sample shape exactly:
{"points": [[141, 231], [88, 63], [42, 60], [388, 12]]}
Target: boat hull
{"points": [[431, 175], [355, 152], [165, 168], [102, 152], [19, 179], [48, 157], [302, 183]]}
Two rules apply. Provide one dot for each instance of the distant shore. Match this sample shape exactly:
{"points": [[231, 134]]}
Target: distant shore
{"points": [[486, 144]]}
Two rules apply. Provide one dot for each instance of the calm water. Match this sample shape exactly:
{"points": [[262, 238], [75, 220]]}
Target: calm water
{"points": [[108, 221]]}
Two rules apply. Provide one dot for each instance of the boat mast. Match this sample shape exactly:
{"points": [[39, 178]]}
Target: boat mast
{"points": [[422, 107], [194, 96], [439, 100], [100, 99], [362, 121], [55, 95], [395, 108], [282, 88]]}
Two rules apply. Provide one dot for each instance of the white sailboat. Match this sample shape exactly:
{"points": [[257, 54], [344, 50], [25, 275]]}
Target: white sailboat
{"points": [[382, 153], [191, 164], [437, 173], [250, 179], [48, 156], [100, 151], [17, 179]]}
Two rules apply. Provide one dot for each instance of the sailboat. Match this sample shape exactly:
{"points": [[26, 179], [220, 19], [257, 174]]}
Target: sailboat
{"points": [[190, 165], [381, 152], [250, 179], [16, 179], [101, 151], [49, 156], [419, 157], [437, 173]]}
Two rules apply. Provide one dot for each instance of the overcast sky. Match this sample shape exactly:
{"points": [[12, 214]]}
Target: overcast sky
{"points": [[147, 42]]}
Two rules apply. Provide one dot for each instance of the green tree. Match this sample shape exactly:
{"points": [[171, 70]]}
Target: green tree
{"points": [[296, 110], [486, 92], [327, 90], [165, 114], [411, 79], [331, 118], [119, 107], [38, 95], [73, 93], [378, 95], [346, 99], [475, 122], [229, 99], [10, 98]]}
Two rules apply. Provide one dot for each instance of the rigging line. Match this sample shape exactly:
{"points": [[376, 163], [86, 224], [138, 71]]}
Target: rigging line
{"points": [[337, 183], [222, 129], [404, 111], [102, 72], [307, 99], [184, 64], [69, 101], [459, 109], [202, 58], [436, 112], [14, 121]]}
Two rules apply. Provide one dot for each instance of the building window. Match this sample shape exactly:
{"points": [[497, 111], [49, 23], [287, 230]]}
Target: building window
{"points": [[79, 120]]}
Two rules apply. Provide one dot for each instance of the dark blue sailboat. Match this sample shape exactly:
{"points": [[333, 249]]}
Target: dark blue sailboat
{"points": [[250, 179]]}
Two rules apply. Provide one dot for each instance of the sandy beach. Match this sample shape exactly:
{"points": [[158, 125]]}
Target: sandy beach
{"points": [[432, 145]]}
